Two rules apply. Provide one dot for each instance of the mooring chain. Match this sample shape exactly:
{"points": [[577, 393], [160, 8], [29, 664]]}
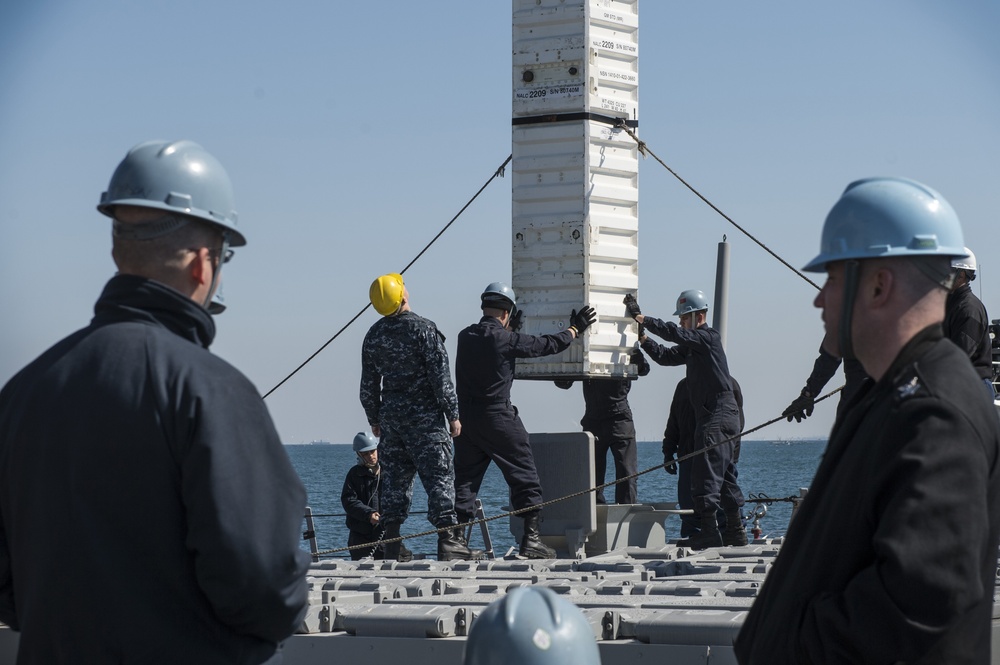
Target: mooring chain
{"points": [[499, 173], [539, 506], [644, 149]]}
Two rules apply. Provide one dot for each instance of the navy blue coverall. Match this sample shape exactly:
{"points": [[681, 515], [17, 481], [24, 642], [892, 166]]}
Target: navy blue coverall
{"points": [[491, 428], [717, 416]]}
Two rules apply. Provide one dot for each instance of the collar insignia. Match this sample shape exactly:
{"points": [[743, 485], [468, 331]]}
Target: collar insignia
{"points": [[908, 389]]}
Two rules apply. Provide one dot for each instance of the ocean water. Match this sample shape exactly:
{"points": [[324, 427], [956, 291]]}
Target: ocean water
{"points": [[773, 468]]}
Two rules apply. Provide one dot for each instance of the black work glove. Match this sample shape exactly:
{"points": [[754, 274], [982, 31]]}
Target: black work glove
{"points": [[516, 321], [631, 305], [581, 320], [670, 465], [801, 408], [565, 384], [642, 333]]}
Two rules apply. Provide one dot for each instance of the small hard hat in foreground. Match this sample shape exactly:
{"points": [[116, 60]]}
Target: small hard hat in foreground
{"points": [[364, 442], [531, 626], [386, 293], [888, 217], [691, 300], [175, 176]]}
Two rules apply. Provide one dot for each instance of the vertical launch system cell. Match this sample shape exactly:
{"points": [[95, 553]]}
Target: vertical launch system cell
{"points": [[575, 178]]}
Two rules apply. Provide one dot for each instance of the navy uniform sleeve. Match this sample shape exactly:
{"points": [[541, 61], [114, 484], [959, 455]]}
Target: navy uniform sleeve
{"points": [[439, 373], [933, 528], [371, 381], [353, 504], [672, 433], [670, 356], [824, 368], [245, 506], [670, 331], [536, 346]]}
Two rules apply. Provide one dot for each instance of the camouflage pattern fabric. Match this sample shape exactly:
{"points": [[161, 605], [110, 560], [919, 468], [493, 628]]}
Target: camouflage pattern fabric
{"points": [[431, 457], [405, 377], [406, 390]]}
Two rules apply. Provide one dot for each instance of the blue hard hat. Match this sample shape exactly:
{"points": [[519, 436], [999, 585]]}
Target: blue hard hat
{"points": [[888, 217], [175, 176], [691, 300], [531, 626], [500, 296], [364, 442]]}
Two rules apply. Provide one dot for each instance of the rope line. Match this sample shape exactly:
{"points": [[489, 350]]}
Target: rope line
{"points": [[499, 173], [539, 506], [644, 149]]}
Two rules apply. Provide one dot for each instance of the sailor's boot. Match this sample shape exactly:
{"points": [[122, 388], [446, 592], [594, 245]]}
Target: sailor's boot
{"points": [[532, 546], [735, 534], [709, 535], [395, 551], [452, 545]]}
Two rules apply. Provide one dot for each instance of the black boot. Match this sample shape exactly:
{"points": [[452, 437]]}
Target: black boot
{"points": [[452, 545], [735, 534], [709, 535], [532, 546], [395, 551]]}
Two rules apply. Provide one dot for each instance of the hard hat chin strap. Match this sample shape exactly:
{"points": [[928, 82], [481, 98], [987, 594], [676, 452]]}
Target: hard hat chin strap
{"points": [[217, 271], [851, 270]]}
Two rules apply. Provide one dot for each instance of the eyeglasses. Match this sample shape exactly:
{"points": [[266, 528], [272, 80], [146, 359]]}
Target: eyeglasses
{"points": [[228, 254]]}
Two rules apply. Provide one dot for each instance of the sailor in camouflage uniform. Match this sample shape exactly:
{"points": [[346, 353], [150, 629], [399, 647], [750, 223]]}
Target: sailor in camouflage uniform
{"points": [[407, 394]]}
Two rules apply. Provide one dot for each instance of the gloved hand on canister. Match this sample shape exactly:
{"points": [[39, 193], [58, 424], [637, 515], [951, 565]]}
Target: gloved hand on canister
{"points": [[583, 319], [631, 305], [670, 464], [565, 384], [642, 333], [801, 408], [516, 321]]}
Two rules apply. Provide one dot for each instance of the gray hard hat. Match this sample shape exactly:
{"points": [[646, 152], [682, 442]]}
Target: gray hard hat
{"points": [[364, 442], [691, 300], [499, 296], [175, 176], [531, 626]]}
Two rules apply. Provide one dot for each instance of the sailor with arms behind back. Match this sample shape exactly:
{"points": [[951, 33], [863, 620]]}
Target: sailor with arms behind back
{"points": [[892, 555], [148, 511]]}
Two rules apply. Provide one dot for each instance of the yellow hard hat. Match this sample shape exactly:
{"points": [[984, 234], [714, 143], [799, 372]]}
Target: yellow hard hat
{"points": [[386, 293]]}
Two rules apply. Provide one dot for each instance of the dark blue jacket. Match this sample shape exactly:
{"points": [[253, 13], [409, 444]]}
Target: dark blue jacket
{"points": [[148, 511], [484, 361], [700, 350]]}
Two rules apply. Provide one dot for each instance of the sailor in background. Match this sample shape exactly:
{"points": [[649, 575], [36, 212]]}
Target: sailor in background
{"points": [[410, 402], [965, 320], [678, 441], [892, 556], [608, 417], [717, 416], [484, 372], [824, 368], [361, 501], [148, 511]]}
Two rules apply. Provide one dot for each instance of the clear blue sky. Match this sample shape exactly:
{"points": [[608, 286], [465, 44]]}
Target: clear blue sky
{"points": [[354, 131]]}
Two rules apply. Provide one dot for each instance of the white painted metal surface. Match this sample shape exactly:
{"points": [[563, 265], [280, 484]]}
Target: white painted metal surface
{"points": [[575, 177]]}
